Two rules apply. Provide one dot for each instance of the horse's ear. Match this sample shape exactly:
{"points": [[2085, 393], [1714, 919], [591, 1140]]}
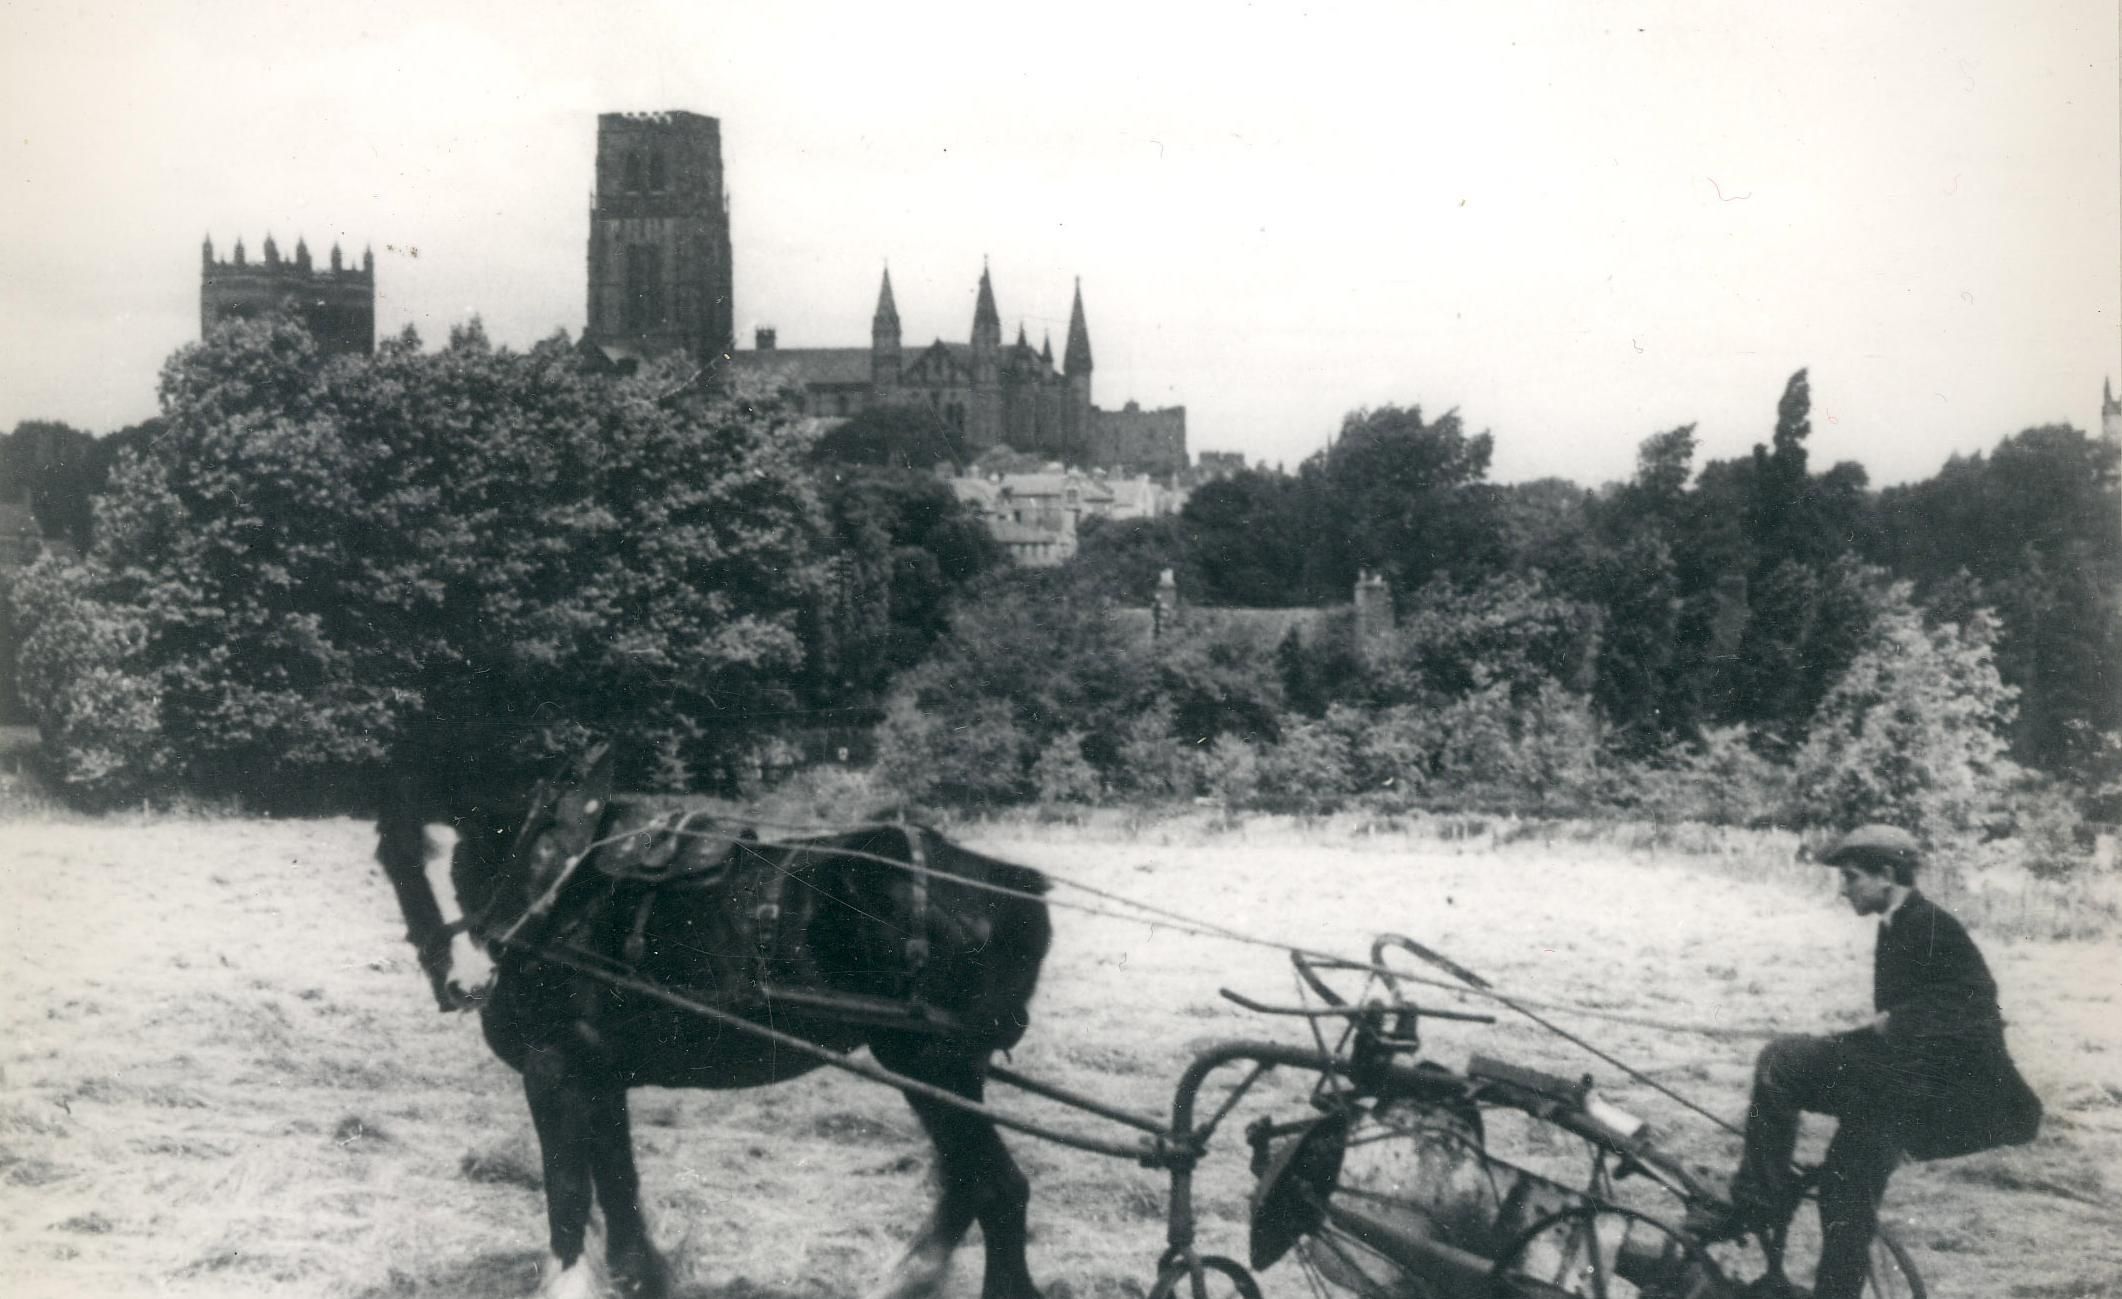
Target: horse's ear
{"points": [[565, 811], [588, 789]]}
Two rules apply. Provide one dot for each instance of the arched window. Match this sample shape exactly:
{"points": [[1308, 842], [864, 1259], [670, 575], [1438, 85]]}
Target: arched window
{"points": [[633, 171], [657, 179]]}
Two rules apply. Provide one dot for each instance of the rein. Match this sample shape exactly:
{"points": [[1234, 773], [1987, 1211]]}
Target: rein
{"points": [[1137, 912]]}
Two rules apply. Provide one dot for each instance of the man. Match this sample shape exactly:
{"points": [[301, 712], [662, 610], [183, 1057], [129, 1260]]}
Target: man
{"points": [[1928, 1076]]}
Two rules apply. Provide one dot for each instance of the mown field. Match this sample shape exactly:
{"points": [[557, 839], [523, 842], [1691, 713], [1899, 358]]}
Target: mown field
{"points": [[223, 1074]]}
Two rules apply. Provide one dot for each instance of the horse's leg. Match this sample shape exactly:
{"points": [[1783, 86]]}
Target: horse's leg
{"points": [[980, 1182], [635, 1265], [561, 1113]]}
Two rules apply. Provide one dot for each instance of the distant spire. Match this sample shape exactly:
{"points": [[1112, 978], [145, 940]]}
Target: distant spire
{"points": [[335, 256], [1022, 341], [1076, 359], [301, 254], [368, 259], [887, 309], [272, 251], [987, 322], [1046, 346], [2107, 397], [239, 250], [206, 250]]}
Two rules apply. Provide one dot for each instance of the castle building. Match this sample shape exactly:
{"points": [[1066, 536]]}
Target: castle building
{"points": [[337, 303], [996, 394], [659, 250]]}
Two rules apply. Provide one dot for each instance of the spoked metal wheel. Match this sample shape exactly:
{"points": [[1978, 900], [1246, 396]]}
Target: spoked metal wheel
{"points": [[1606, 1252], [1892, 1275], [1208, 1277]]}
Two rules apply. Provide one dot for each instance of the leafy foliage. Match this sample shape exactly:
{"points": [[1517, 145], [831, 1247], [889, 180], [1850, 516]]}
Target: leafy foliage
{"points": [[1914, 732], [911, 436], [314, 553]]}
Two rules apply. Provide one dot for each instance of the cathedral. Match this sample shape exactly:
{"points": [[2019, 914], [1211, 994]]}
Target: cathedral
{"points": [[995, 394], [661, 279]]}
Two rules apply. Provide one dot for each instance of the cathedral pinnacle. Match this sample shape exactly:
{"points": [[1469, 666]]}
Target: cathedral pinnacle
{"points": [[1076, 359], [987, 322], [887, 309]]}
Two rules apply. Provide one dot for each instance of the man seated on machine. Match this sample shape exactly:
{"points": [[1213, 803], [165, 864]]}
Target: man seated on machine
{"points": [[1928, 1077]]}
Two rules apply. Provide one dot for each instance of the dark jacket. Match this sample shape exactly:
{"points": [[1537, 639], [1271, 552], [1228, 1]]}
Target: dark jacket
{"points": [[1945, 1038]]}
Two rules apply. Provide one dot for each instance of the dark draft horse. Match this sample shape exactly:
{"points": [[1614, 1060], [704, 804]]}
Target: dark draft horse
{"points": [[604, 883]]}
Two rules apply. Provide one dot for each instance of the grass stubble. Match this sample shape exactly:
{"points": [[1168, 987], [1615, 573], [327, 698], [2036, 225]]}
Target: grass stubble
{"points": [[221, 1073]]}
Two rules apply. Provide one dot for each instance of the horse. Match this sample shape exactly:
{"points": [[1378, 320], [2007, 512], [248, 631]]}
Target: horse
{"points": [[590, 932]]}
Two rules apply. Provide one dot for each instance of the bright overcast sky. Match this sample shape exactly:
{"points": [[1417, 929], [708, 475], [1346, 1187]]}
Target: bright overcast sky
{"points": [[1576, 223]]}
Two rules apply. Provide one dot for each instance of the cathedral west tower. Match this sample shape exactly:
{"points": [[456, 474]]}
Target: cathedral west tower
{"points": [[659, 249]]}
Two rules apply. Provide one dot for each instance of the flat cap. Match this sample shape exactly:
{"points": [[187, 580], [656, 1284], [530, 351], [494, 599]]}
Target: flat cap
{"points": [[1887, 841]]}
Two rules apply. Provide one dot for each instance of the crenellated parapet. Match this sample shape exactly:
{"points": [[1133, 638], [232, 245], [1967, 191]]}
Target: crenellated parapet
{"points": [[337, 301]]}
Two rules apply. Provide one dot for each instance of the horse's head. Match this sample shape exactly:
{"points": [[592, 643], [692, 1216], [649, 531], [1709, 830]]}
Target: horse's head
{"points": [[504, 871]]}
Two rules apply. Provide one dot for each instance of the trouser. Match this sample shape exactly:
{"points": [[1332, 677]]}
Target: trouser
{"points": [[1849, 1077]]}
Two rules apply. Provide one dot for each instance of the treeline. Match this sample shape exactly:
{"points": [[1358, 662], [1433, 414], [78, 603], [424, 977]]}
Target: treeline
{"points": [[477, 553], [1753, 642], [304, 564], [1733, 596]]}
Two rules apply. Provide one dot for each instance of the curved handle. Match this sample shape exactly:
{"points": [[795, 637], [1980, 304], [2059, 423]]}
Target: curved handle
{"points": [[1415, 949], [1310, 974]]}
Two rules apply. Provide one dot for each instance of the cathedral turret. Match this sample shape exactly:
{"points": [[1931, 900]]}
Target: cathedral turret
{"points": [[1076, 417], [238, 254], [1046, 348], [301, 255], [206, 251], [1076, 360], [368, 261], [272, 252], [335, 257], [884, 338], [987, 322]]}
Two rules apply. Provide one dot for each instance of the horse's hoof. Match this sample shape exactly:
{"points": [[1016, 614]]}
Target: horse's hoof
{"points": [[577, 1280], [641, 1276], [918, 1275]]}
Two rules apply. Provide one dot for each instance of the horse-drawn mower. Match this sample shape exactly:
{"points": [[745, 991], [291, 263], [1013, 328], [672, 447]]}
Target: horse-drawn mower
{"points": [[638, 949]]}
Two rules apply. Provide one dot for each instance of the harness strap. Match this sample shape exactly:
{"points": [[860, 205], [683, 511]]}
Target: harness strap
{"points": [[917, 919], [637, 934]]}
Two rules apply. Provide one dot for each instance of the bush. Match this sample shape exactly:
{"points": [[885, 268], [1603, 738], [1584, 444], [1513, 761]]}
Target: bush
{"points": [[1721, 779], [1230, 770], [1154, 764], [975, 758], [1913, 733], [1310, 771], [99, 713], [1061, 774]]}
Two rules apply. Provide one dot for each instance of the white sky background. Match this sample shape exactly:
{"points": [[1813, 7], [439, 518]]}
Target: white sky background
{"points": [[1577, 223]]}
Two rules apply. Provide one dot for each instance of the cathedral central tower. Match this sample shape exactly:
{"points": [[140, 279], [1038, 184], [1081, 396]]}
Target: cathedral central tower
{"points": [[659, 250]]}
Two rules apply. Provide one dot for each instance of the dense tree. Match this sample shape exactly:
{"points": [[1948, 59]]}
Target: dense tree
{"points": [[2034, 531], [51, 467], [905, 547], [1404, 491], [1121, 559], [314, 553], [911, 436], [1246, 540]]}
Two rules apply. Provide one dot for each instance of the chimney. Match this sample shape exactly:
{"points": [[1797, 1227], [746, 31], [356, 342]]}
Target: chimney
{"points": [[1164, 608], [763, 338], [1374, 611]]}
